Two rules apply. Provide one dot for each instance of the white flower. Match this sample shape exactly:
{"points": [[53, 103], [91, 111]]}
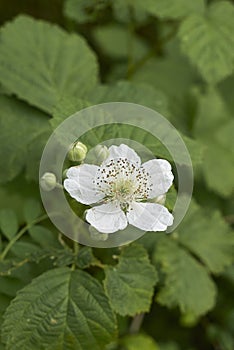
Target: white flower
{"points": [[120, 187]]}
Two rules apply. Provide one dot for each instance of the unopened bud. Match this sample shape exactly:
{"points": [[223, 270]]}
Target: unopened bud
{"points": [[78, 152], [48, 182], [101, 153]]}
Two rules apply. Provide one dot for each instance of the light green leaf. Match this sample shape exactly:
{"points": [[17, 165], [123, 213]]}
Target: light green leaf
{"points": [[65, 108], [186, 282], [217, 162], [139, 342], [32, 209], [114, 40], [40, 63], [208, 236], [34, 153], [83, 11], [172, 8], [8, 223], [19, 125], [124, 91], [164, 74], [61, 309], [208, 40], [129, 285], [213, 126]]}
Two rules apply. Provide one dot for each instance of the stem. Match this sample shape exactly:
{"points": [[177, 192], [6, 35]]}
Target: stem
{"points": [[157, 47], [136, 323], [20, 234]]}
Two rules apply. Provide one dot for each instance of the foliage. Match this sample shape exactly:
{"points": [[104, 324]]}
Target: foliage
{"points": [[163, 292]]}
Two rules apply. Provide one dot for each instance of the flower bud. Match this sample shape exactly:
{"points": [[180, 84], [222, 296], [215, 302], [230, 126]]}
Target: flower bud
{"points": [[77, 152], [101, 153], [48, 182]]}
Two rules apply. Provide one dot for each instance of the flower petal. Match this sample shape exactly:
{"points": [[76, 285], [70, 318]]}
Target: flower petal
{"points": [[149, 216], [123, 151], [107, 218], [161, 176], [79, 184]]}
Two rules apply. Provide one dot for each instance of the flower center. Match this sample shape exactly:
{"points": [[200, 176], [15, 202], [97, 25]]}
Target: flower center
{"points": [[123, 181]]}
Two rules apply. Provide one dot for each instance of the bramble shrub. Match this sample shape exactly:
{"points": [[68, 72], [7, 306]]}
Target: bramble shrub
{"points": [[163, 291]]}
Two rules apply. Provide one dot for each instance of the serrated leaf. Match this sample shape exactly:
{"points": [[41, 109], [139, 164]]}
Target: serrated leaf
{"points": [[19, 125], [40, 62], [208, 40], [172, 8], [8, 223], [129, 285], [139, 342], [208, 236], [186, 284], [61, 309], [32, 209]]}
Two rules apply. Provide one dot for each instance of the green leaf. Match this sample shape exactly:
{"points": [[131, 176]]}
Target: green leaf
{"points": [[19, 125], [186, 283], [172, 8], [83, 11], [32, 209], [65, 108], [124, 91], [208, 40], [40, 63], [61, 309], [44, 237], [34, 153], [86, 258], [207, 236], [214, 126], [114, 39], [139, 342], [8, 223], [130, 284]]}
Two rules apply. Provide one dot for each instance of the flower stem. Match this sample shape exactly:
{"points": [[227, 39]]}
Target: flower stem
{"points": [[136, 323], [20, 234]]}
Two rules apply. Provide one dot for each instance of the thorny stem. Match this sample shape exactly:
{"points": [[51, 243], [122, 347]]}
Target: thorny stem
{"points": [[136, 323], [20, 234]]}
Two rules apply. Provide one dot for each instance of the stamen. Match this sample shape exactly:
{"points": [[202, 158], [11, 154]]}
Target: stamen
{"points": [[123, 181]]}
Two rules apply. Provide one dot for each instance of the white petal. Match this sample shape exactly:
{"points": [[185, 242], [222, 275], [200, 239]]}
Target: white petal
{"points": [[79, 184], [107, 218], [149, 216], [123, 151], [161, 176]]}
